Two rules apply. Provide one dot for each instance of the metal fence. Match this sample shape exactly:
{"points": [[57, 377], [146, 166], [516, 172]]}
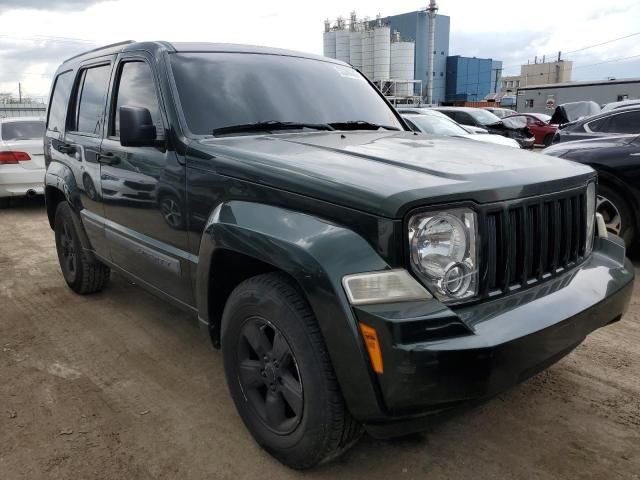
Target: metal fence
{"points": [[22, 110]]}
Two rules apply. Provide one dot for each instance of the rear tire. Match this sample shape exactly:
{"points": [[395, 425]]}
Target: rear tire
{"points": [[617, 214], [293, 407], [81, 270], [548, 139]]}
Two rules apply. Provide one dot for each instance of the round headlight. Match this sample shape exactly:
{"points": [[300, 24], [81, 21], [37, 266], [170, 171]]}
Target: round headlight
{"points": [[437, 238], [443, 248]]}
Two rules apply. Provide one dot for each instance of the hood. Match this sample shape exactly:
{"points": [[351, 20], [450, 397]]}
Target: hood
{"points": [[561, 149], [385, 173]]}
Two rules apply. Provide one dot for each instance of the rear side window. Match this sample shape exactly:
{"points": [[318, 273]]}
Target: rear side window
{"points": [[136, 88], [600, 125], [22, 130], [59, 100], [628, 122], [93, 91]]}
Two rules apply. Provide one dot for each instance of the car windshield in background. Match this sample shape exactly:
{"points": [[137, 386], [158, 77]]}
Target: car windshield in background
{"points": [[515, 122], [484, 117], [436, 125], [22, 130], [229, 91], [542, 117]]}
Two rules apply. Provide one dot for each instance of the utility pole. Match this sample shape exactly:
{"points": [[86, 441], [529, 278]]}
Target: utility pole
{"points": [[19, 92], [432, 10]]}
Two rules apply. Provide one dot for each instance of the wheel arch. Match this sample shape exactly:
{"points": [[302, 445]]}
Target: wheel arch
{"points": [[255, 238], [611, 180], [60, 185]]}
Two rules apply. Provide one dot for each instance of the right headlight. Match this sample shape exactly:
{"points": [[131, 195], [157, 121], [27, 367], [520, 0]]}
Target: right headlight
{"points": [[444, 254]]}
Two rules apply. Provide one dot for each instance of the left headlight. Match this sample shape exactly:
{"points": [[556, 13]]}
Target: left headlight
{"points": [[444, 254]]}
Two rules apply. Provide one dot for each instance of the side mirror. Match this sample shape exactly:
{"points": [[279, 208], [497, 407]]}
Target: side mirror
{"points": [[136, 127], [540, 123]]}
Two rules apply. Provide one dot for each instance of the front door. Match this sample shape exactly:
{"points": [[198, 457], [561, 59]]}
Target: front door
{"points": [[143, 189]]}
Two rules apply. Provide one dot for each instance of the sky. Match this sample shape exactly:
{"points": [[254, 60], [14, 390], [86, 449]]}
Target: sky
{"points": [[37, 35]]}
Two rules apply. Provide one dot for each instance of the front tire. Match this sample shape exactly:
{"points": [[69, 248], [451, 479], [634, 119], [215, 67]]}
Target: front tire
{"points": [[617, 214], [280, 375], [83, 273], [548, 139], [5, 202]]}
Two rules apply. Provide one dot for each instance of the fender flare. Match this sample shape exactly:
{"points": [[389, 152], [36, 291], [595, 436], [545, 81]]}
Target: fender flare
{"points": [[60, 177], [316, 254]]}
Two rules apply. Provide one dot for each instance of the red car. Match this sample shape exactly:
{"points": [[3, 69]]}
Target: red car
{"points": [[539, 125]]}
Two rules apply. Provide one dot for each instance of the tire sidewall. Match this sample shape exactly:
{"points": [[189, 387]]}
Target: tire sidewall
{"points": [[269, 305], [63, 215], [627, 232]]}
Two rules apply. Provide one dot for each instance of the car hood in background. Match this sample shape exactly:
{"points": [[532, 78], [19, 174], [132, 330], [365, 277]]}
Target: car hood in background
{"points": [[560, 149], [495, 139], [385, 173]]}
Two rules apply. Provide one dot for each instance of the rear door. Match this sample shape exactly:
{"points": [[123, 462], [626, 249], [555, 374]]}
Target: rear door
{"points": [[144, 189], [82, 139]]}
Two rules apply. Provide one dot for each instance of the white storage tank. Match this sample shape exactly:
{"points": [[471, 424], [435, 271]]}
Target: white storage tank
{"points": [[343, 45], [381, 53], [402, 66], [329, 44], [355, 50], [367, 53]]}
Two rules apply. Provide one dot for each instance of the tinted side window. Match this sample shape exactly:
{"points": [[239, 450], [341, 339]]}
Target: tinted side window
{"points": [[600, 125], [628, 122], [92, 98], [136, 88], [464, 118], [59, 99]]}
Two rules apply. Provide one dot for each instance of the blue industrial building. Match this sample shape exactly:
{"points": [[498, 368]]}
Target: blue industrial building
{"points": [[471, 79], [414, 26]]}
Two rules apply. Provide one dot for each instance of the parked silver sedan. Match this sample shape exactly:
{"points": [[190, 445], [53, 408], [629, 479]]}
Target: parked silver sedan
{"points": [[21, 158]]}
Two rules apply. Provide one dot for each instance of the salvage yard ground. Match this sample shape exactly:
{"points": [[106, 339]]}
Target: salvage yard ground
{"points": [[120, 385]]}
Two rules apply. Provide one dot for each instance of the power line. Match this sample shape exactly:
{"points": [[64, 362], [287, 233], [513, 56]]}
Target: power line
{"points": [[603, 43]]}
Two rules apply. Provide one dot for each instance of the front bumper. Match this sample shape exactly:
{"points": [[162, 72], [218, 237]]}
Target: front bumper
{"points": [[436, 358]]}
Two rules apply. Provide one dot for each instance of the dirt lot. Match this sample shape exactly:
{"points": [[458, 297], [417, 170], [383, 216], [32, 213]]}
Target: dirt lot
{"points": [[121, 386]]}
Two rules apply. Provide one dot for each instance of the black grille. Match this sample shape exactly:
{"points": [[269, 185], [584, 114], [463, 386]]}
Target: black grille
{"points": [[526, 241]]}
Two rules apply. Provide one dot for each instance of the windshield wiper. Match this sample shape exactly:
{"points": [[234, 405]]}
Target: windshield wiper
{"points": [[269, 126], [360, 125]]}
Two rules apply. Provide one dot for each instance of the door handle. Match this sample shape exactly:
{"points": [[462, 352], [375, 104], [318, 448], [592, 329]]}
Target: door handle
{"points": [[66, 148], [108, 159]]}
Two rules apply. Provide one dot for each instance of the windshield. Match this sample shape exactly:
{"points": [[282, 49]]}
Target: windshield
{"points": [[22, 130], [219, 90], [436, 125], [483, 117], [542, 117]]}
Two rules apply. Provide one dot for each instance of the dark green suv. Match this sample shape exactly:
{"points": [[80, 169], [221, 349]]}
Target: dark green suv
{"points": [[356, 276]]}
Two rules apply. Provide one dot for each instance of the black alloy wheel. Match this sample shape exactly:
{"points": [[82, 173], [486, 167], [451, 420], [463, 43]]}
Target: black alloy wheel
{"points": [[269, 375]]}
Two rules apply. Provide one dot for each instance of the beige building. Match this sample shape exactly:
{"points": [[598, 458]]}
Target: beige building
{"points": [[538, 74]]}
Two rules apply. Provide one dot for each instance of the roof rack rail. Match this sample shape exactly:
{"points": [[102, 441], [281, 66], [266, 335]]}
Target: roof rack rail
{"points": [[104, 47]]}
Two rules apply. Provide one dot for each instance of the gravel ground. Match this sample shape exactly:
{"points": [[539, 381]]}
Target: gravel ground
{"points": [[120, 385]]}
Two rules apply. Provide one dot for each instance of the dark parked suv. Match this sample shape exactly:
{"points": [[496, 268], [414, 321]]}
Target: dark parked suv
{"points": [[355, 275]]}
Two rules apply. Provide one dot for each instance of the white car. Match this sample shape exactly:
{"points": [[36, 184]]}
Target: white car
{"points": [[21, 158], [436, 123]]}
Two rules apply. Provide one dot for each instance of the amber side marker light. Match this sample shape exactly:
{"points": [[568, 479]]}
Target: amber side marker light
{"points": [[373, 346]]}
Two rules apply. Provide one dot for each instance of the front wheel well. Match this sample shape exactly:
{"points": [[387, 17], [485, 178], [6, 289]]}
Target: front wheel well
{"points": [[228, 270], [53, 196]]}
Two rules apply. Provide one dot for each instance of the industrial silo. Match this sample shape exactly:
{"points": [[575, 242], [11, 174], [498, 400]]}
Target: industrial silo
{"points": [[367, 53], [381, 53], [343, 45], [328, 41], [355, 50], [402, 66]]}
